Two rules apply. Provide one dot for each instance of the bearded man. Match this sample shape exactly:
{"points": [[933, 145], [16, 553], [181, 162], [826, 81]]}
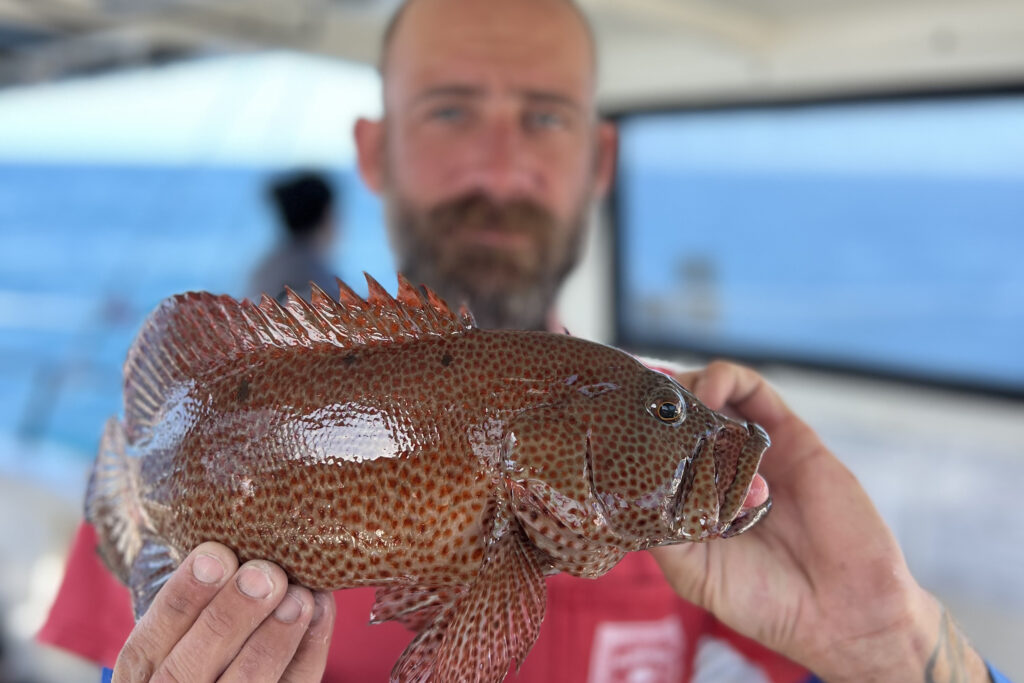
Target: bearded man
{"points": [[490, 157]]}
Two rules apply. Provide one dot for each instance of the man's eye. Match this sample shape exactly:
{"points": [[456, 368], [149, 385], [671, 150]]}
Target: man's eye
{"points": [[450, 114], [541, 120]]}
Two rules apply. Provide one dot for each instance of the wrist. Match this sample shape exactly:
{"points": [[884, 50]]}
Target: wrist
{"points": [[923, 644], [898, 651]]}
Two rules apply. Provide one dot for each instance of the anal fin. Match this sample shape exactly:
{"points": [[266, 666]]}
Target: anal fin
{"points": [[415, 607], [490, 626], [417, 663]]}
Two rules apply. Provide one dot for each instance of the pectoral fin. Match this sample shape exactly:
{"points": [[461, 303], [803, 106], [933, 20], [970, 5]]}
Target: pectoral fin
{"points": [[551, 488], [493, 624], [546, 459]]}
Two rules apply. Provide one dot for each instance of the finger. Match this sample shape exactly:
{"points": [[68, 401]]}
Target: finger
{"points": [[226, 623], [727, 384], [269, 650], [187, 592], [758, 493], [310, 658], [685, 567], [747, 393], [687, 378]]}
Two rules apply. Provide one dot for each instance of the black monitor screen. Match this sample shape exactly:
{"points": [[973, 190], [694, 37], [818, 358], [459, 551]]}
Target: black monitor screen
{"points": [[884, 236]]}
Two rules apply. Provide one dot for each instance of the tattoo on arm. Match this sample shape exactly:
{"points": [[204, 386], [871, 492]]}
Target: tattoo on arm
{"points": [[947, 661]]}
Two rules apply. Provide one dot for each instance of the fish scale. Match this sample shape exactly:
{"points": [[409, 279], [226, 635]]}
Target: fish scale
{"points": [[390, 442]]}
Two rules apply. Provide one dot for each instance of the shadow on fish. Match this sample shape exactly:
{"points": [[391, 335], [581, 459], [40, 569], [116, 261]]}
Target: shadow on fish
{"points": [[389, 442]]}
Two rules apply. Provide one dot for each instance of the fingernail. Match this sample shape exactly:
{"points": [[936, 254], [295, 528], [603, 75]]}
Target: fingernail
{"points": [[207, 568], [254, 582], [290, 608], [319, 606]]}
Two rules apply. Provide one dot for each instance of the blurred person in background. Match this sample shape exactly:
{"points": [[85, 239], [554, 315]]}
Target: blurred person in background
{"points": [[306, 208], [490, 158]]}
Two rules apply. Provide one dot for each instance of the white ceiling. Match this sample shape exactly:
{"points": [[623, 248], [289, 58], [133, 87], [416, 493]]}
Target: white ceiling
{"points": [[652, 50]]}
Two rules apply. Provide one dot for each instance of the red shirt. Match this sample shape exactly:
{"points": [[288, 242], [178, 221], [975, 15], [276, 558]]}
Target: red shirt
{"points": [[627, 625]]}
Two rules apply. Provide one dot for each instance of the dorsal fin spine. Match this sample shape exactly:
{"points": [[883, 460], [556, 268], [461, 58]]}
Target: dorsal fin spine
{"points": [[377, 295], [280, 322], [348, 298], [317, 295], [407, 294], [316, 327], [258, 325], [466, 316]]}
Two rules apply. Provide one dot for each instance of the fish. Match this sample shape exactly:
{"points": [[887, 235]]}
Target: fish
{"points": [[391, 442]]}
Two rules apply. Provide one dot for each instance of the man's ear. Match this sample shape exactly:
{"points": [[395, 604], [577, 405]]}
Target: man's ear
{"points": [[369, 137], [606, 157]]}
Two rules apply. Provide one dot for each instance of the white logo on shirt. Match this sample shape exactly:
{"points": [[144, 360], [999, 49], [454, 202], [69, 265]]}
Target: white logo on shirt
{"points": [[638, 651]]}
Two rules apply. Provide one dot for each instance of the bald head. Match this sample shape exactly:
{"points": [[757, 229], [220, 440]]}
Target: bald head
{"points": [[564, 13]]}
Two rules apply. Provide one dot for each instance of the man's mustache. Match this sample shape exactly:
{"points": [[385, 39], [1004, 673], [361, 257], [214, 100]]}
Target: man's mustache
{"points": [[479, 210]]}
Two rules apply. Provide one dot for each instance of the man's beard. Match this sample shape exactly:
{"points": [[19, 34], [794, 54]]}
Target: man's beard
{"points": [[509, 284]]}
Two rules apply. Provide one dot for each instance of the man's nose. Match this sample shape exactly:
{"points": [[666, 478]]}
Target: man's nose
{"points": [[502, 168]]}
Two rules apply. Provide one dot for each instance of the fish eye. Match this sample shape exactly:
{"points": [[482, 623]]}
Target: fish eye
{"points": [[667, 408], [669, 412]]}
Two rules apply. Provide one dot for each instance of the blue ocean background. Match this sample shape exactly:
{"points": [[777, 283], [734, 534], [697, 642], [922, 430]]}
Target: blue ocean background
{"points": [[87, 251], [879, 235], [912, 275]]}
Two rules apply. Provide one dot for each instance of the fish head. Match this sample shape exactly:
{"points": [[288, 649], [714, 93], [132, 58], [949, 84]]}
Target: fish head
{"points": [[666, 469]]}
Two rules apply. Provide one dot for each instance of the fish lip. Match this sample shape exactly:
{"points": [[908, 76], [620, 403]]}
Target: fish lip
{"points": [[755, 430], [757, 441], [747, 519]]}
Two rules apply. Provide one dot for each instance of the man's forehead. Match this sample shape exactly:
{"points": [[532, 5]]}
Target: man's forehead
{"points": [[536, 46], [449, 79]]}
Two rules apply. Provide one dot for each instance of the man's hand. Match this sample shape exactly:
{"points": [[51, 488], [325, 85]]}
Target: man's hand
{"points": [[821, 579], [214, 621]]}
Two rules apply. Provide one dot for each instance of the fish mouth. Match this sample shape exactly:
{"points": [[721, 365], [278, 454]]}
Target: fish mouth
{"points": [[708, 502]]}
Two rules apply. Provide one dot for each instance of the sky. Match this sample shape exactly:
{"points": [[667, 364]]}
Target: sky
{"points": [[275, 108]]}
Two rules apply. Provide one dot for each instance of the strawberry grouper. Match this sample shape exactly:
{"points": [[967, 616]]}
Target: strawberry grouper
{"points": [[389, 442]]}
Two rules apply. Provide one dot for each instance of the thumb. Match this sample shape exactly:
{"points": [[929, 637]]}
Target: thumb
{"points": [[685, 568]]}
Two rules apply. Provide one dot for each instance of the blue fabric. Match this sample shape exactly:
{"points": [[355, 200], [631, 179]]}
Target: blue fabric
{"points": [[108, 675], [996, 676]]}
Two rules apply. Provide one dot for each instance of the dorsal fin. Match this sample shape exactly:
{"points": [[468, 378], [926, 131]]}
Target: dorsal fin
{"points": [[191, 334]]}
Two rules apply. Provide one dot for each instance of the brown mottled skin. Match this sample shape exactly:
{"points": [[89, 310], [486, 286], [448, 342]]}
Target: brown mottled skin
{"points": [[391, 443]]}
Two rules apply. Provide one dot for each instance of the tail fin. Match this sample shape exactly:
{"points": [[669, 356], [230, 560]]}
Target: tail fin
{"points": [[112, 503]]}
